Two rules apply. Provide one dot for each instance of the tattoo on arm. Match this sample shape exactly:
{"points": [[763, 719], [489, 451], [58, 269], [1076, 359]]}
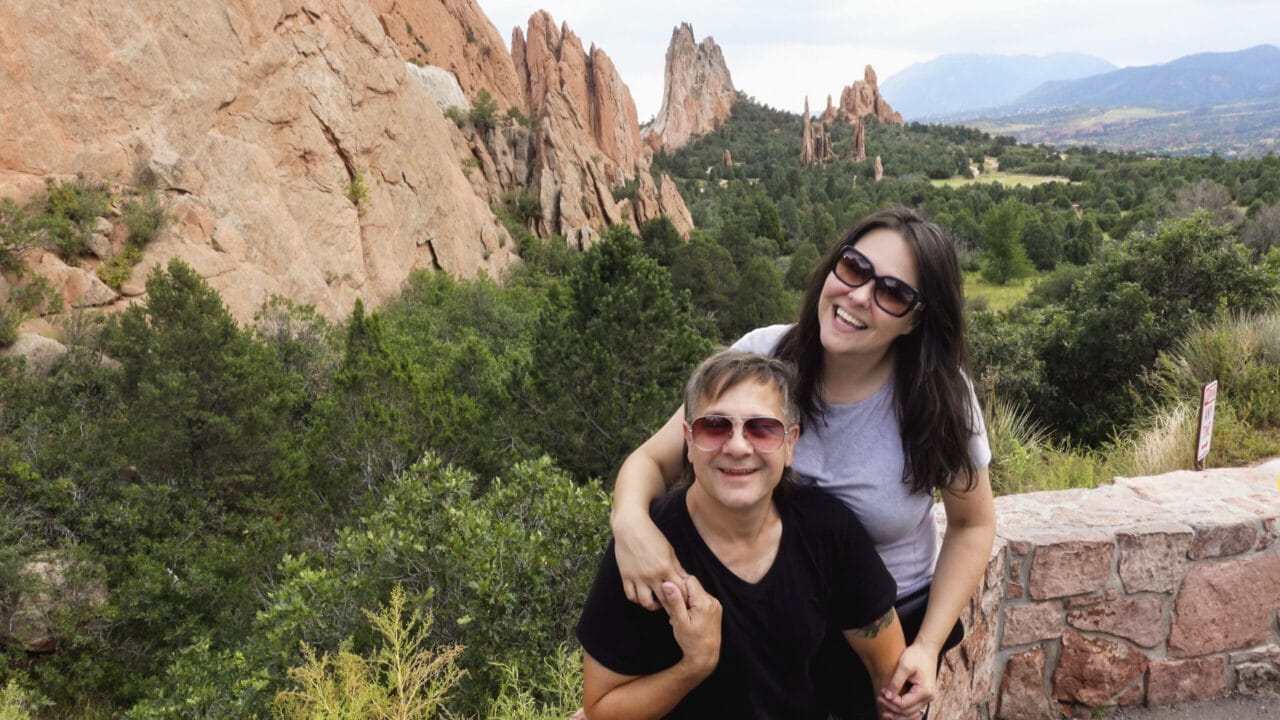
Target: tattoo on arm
{"points": [[875, 627]]}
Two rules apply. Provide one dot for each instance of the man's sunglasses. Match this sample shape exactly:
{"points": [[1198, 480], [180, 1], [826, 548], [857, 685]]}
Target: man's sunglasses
{"points": [[709, 433], [892, 295]]}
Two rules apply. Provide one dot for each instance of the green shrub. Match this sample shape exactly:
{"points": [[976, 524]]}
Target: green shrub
{"points": [[456, 114], [68, 214], [145, 216], [17, 234], [19, 703], [484, 110], [358, 192], [119, 267], [627, 191], [404, 678], [555, 698]]}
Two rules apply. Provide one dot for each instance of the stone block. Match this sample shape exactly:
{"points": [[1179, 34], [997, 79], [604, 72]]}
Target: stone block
{"points": [[1153, 561], [1086, 601], [1015, 590], [1225, 606], [1095, 671], [1176, 681], [1070, 567], [1258, 678], [1224, 540], [1135, 694], [1028, 623], [1140, 620], [1022, 695]]}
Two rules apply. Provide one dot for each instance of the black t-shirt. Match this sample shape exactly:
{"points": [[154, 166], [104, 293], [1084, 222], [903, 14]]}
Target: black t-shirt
{"points": [[826, 572]]}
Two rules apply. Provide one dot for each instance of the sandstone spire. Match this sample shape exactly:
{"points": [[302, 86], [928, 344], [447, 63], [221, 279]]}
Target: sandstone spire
{"points": [[806, 137], [830, 113], [859, 141], [879, 169], [697, 93]]}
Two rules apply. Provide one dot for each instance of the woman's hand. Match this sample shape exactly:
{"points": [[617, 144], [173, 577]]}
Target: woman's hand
{"points": [[917, 667], [645, 561]]}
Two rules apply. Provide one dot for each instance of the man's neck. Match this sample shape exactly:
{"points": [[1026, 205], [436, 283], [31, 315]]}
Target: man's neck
{"points": [[745, 540]]}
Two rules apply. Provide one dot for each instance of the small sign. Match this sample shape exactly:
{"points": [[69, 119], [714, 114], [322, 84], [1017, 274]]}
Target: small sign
{"points": [[1208, 402]]}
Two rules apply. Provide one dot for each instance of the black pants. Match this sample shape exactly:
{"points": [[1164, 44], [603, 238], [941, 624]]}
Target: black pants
{"points": [[843, 682]]}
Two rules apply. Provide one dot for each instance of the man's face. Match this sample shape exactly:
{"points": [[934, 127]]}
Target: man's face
{"points": [[738, 475]]}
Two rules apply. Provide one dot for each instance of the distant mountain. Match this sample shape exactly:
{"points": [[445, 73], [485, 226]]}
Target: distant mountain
{"points": [[963, 82], [1223, 102], [1188, 82]]}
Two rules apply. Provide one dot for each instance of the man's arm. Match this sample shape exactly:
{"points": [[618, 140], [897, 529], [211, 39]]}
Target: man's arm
{"points": [[878, 645], [695, 621]]}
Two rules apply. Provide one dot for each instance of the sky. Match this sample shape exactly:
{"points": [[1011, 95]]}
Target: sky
{"points": [[779, 52]]}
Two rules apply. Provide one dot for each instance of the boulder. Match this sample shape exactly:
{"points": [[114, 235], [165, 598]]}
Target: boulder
{"points": [[40, 353], [79, 287], [54, 587], [1178, 681], [1022, 695], [697, 91]]}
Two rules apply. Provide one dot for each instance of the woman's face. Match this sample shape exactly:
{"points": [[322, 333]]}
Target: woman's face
{"points": [[851, 322]]}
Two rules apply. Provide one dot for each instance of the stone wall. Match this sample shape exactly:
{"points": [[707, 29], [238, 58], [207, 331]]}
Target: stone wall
{"points": [[1152, 591]]}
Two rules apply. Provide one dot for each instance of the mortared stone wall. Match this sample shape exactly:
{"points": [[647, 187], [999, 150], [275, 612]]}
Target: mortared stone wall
{"points": [[1150, 591]]}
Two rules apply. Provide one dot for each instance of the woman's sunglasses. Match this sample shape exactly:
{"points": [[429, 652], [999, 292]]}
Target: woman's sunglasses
{"points": [[892, 295], [709, 433]]}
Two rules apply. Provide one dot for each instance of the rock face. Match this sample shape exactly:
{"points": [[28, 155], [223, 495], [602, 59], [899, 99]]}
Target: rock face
{"points": [[441, 86], [454, 35], [697, 93], [257, 120], [863, 98], [859, 141]]}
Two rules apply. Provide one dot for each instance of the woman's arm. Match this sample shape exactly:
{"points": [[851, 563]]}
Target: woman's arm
{"points": [[645, 558], [966, 549]]}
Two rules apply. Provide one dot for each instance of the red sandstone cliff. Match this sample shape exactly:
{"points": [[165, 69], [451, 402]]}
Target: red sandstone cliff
{"points": [[256, 119], [697, 93]]}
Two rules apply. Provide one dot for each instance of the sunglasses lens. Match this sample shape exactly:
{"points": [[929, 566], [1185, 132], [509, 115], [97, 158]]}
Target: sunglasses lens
{"points": [[766, 434], [853, 268], [894, 296], [711, 432]]}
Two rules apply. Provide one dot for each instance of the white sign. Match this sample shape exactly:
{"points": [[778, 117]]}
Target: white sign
{"points": [[1208, 402]]}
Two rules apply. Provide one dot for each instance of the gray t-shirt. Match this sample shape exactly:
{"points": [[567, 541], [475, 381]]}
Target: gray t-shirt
{"points": [[856, 455]]}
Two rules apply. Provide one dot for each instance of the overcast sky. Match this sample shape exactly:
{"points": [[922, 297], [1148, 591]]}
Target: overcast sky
{"points": [[781, 51]]}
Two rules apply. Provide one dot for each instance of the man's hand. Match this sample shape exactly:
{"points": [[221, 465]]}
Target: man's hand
{"points": [[695, 621], [918, 667], [645, 561]]}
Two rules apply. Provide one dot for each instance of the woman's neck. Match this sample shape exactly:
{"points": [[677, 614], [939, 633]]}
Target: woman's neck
{"points": [[854, 378]]}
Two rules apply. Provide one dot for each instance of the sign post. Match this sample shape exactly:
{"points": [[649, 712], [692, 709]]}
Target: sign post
{"points": [[1208, 403]]}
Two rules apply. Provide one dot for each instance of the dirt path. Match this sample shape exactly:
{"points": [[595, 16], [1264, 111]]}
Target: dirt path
{"points": [[1231, 707]]}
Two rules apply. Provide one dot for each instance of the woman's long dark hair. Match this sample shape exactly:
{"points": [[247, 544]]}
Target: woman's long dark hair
{"points": [[931, 362]]}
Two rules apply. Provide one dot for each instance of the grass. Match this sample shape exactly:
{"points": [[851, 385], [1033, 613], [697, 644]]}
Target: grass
{"points": [[996, 297], [1003, 178]]}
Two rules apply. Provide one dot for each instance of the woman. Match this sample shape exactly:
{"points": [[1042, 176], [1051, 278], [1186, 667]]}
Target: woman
{"points": [[890, 418]]}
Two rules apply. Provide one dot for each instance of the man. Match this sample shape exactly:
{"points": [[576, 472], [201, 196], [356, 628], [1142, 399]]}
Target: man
{"points": [[771, 565]]}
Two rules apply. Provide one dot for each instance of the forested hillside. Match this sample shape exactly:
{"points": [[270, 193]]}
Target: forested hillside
{"points": [[202, 519]]}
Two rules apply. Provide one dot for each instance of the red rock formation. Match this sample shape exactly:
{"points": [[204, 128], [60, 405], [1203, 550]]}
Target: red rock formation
{"points": [[863, 98], [830, 113], [256, 119], [879, 169], [454, 35], [859, 141], [806, 137], [726, 160], [697, 93]]}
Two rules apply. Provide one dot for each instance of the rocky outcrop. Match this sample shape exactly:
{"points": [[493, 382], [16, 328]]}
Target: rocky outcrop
{"points": [[878, 169], [806, 136], [697, 93], [39, 353], [863, 98], [831, 113], [260, 122], [52, 588], [859, 141], [457, 36]]}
